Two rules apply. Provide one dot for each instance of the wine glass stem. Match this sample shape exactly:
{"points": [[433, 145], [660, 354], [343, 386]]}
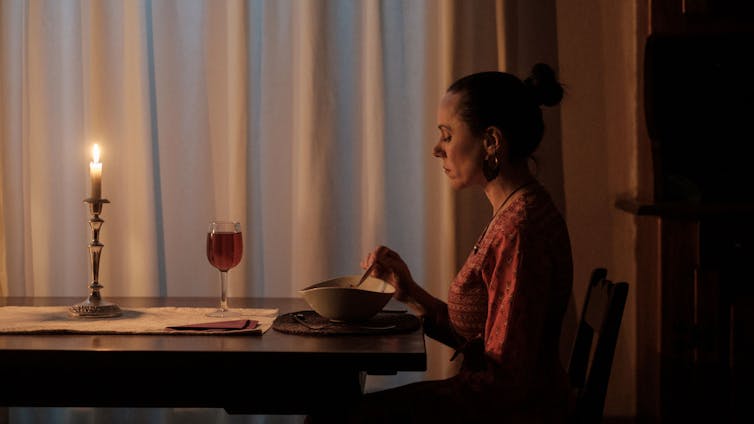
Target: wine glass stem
{"points": [[224, 290]]}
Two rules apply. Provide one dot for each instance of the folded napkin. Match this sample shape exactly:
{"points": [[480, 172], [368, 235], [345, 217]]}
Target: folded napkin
{"points": [[238, 324]]}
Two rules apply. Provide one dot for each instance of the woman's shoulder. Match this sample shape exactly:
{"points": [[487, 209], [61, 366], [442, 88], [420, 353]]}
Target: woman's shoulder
{"points": [[524, 208], [537, 205], [529, 212]]}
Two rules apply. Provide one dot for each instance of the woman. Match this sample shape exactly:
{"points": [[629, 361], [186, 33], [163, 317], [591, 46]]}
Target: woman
{"points": [[505, 307]]}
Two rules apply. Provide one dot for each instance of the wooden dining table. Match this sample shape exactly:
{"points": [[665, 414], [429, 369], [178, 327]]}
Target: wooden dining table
{"points": [[273, 373]]}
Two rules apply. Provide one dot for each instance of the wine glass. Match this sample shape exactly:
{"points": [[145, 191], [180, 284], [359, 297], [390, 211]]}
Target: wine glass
{"points": [[224, 251]]}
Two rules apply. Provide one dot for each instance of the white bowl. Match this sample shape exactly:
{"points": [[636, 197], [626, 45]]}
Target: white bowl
{"points": [[338, 300]]}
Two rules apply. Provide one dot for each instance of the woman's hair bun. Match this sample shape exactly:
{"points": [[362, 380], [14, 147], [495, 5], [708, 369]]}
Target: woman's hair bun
{"points": [[544, 85]]}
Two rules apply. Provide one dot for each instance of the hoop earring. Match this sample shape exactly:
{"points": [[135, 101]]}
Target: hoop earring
{"points": [[491, 167]]}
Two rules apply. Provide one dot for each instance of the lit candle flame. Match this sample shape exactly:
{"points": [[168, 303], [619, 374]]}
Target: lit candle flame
{"points": [[95, 153]]}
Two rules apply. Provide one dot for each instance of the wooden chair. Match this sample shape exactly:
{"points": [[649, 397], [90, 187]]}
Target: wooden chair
{"points": [[594, 346]]}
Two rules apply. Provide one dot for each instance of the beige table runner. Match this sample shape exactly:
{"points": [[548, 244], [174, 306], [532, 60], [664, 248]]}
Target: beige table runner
{"points": [[56, 320]]}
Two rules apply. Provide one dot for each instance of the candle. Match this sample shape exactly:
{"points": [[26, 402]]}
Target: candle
{"points": [[95, 173]]}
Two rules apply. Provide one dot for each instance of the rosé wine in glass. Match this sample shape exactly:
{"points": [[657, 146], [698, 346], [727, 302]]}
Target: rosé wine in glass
{"points": [[224, 251]]}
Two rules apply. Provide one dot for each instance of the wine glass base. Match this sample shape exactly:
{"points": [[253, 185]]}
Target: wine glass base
{"points": [[223, 313]]}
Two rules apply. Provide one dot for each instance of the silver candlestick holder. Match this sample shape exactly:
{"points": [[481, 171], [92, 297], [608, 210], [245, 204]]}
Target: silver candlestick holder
{"points": [[94, 306]]}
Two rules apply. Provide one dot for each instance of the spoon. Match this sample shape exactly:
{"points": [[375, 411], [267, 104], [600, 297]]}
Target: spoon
{"points": [[365, 275]]}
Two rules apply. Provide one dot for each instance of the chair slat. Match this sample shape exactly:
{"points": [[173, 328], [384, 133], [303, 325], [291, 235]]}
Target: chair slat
{"points": [[594, 347]]}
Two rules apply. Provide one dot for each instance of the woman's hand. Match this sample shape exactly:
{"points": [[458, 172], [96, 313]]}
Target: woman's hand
{"points": [[390, 267]]}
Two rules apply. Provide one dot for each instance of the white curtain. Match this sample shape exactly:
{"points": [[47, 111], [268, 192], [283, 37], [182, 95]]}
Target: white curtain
{"points": [[309, 121]]}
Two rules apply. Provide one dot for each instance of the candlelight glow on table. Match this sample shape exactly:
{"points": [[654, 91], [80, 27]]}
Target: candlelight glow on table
{"points": [[94, 306]]}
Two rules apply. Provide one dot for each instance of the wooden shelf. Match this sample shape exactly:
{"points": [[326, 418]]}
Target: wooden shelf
{"points": [[683, 209]]}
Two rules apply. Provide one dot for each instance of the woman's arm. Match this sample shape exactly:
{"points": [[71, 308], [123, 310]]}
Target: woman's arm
{"points": [[434, 314], [390, 267]]}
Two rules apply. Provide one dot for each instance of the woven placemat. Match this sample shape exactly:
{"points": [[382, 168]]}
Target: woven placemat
{"points": [[310, 323]]}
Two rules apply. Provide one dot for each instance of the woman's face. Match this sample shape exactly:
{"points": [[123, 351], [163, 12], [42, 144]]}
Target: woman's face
{"points": [[460, 151]]}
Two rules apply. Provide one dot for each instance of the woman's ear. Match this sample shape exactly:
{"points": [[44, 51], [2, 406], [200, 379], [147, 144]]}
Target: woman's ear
{"points": [[493, 139]]}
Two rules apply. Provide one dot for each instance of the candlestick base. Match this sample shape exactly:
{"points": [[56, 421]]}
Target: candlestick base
{"points": [[95, 307]]}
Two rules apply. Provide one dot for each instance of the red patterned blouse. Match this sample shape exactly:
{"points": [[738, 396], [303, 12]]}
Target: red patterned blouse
{"points": [[506, 305]]}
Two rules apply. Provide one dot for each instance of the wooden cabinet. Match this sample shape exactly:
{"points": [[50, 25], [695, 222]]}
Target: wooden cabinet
{"points": [[701, 16], [695, 312], [695, 238]]}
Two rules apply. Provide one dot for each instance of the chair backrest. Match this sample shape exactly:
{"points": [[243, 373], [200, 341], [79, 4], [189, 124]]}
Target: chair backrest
{"points": [[594, 346]]}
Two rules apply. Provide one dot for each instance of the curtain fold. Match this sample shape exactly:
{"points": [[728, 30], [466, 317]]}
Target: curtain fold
{"points": [[310, 122]]}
